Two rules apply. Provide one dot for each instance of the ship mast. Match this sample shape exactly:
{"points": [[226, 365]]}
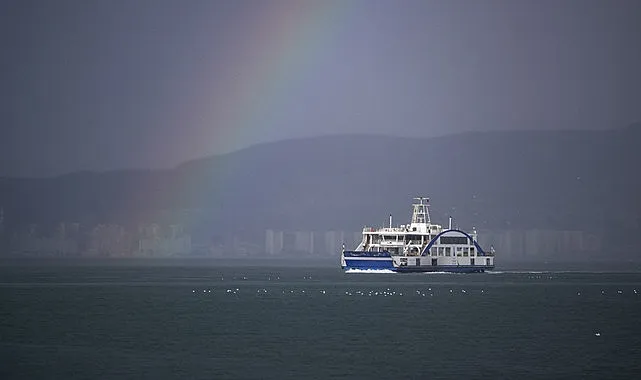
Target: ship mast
{"points": [[421, 212]]}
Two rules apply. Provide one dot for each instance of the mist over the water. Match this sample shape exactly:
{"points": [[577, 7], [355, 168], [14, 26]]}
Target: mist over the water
{"points": [[534, 196]]}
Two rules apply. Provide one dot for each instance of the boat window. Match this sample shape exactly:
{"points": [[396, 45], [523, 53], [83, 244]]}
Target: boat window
{"points": [[466, 251], [453, 240], [472, 251], [448, 251]]}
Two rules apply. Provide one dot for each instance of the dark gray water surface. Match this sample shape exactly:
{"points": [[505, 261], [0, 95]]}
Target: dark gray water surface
{"points": [[162, 322]]}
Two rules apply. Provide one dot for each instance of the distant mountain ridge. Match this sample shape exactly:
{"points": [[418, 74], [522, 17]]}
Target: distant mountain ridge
{"points": [[492, 180]]}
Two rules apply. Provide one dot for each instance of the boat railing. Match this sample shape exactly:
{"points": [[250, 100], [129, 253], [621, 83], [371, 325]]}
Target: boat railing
{"points": [[385, 229], [365, 254]]}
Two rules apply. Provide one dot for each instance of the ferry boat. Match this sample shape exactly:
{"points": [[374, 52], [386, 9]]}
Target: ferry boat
{"points": [[420, 246]]}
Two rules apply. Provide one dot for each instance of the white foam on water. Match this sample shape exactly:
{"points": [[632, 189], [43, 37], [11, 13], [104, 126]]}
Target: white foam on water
{"points": [[517, 272], [369, 271]]}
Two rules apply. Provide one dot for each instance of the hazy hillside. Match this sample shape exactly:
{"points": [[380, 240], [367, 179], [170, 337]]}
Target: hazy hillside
{"points": [[565, 180]]}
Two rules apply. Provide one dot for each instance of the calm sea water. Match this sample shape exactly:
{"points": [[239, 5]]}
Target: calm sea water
{"points": [[163, 322]]}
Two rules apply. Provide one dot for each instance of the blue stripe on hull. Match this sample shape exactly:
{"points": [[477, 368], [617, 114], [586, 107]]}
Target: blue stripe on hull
{"points": [[445, 268], [387, 264], [368, 264]]}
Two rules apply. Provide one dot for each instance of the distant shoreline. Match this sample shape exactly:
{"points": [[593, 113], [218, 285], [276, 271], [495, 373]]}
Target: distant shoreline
{"points": [[169, 261], [628, 266]]}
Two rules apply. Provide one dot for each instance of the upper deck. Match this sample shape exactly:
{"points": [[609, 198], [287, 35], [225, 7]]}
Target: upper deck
{"points": [[420, 224]]}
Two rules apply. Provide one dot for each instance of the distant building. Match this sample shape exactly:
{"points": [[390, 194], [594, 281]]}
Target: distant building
{"points": [[314, 243], [537, 244], [109, 240], [30, 242], [273, 242], [154, 241], [304, 242], [334, 241]]}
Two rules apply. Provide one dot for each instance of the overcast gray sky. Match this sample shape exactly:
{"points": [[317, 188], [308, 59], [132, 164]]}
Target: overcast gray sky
{"points": [[149, 83]]}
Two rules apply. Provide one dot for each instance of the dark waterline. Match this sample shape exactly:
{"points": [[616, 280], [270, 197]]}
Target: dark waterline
{"points": [[609, 266]]}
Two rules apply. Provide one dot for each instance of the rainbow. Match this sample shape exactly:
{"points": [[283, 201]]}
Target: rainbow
{"points": [[280, 45], [275, 51]]}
